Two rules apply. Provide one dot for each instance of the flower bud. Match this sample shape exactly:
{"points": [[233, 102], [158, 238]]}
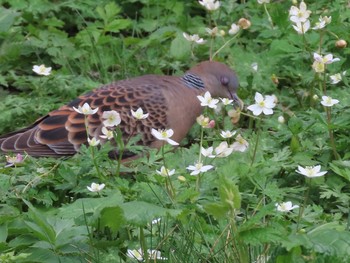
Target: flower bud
{"points": [[181, 178], [341, 43], [281, 119], [274, 79], [315, 97], [222, 33], [234, 115], [211, 124], [244, 23]]}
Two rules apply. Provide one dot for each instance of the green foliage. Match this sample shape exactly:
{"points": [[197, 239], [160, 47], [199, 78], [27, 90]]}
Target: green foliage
{"points": [[227, 214]]}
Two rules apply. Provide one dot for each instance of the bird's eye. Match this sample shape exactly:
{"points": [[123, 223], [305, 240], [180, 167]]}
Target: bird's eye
{"points": [[224, 81]]}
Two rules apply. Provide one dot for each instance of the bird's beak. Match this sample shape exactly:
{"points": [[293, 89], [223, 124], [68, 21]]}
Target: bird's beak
{"points": [[237, 102]]}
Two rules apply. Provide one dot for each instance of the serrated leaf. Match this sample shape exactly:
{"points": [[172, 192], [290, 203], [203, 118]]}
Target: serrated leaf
{"points": [[7, 18], [89, 205], [218, 210], [180, 48], [141, 213], [263, 234], [3, 232], [112, 217], [116, 25]]}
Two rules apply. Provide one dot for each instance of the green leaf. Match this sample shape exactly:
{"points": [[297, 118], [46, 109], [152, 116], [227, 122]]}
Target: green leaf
{"points": [[90, 205], [343, 171], [218, 210], [282, 46], [7, 18], [141, 213], [3, 232], [332, 239], [180, 48], [265, 234], [117, 25], [112, 217], [39, 225], [229, 193]]}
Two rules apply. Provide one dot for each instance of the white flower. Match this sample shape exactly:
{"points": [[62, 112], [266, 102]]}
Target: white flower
{"points": [[207, 152], [194, 38], [226, 101], [164, 135], [322, 22], [13, 160], [42, 70], [318, 66], [240, 145], [327, 59], [336, 78], [138, 114], [263, 1], [107, 134], [299, 15], [210, 5], [86, 109], [93, 141], [155, 221], [223, 150], [212, 32], [95, 187], [138, 254], [328, 101], [281, 119], [302, 27], [285, 207], [319, 25], [234, 29], [165, 172], [203, 121], [199, 168], [262, 105], [254, 66], [311, 171], [112, 118], [227, 134], [135, 254], [207, 100]]}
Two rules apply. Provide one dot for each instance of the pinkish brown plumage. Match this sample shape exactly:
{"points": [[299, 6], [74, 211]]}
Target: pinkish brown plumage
{"points": [[170, 101]]}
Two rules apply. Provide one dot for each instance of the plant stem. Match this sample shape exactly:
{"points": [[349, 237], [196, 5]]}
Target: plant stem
{"points": [[168, 183], [268, 15], [239, 245], [306, 196], [143, 246], [331, 134], [256, 143], [92, 148]]}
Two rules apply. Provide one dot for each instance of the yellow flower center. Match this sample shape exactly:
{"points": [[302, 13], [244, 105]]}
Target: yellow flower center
{"points": [[262, 104]]}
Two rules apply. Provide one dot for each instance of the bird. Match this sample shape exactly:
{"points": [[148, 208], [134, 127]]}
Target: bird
{"points": [[170, 101]]}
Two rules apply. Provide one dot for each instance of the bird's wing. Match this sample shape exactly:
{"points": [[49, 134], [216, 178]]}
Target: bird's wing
{"points": [[62, 131]]}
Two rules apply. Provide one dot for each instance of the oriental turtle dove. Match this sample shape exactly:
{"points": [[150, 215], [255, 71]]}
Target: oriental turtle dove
{"points": [[170, 101]]}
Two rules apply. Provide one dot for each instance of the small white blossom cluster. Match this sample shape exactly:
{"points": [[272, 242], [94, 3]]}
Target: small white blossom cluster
{"points": [[212, 5], [300, 17], [111, 119]]}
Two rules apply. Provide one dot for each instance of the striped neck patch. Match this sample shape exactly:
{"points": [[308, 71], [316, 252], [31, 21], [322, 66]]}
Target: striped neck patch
{"points": [[193, 81]]}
